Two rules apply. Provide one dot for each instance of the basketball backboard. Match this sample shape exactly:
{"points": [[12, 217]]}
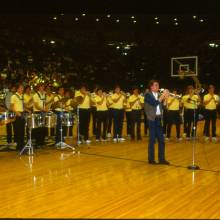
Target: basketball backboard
{"points": [[184, 66]]}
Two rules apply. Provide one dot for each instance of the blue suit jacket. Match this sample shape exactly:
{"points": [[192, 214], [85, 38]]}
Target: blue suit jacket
{"points": [[150, 106]]}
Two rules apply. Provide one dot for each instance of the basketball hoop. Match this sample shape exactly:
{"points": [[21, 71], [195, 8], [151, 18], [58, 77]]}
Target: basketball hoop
{"points": [[183, 67]]}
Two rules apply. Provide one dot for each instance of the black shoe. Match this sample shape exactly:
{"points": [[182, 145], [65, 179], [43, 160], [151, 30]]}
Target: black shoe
{"points": [[165, 162], [152, 162]]}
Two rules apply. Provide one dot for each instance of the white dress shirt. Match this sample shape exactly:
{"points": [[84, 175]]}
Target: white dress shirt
{"points": [[155, 94]]}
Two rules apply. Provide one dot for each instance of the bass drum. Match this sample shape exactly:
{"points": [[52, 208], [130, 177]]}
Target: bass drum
{"points": [[35, 120], [50, 120], [6, 117]]}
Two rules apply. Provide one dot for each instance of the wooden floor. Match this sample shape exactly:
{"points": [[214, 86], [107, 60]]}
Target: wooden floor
{"points": [[111, 181]]}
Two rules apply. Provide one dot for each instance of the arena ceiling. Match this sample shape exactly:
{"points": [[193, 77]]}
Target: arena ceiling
{"points": [[112, 6]]}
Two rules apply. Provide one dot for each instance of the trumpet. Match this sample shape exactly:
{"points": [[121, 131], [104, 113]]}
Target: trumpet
{"points": [[125, 94], [128, 94], [170, 94]]}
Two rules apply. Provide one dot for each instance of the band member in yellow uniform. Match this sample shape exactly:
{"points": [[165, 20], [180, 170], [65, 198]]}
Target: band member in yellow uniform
{"points": [[128, 115], [69, 96], [190, 102], [210, 102], [28, 104], [49, 97], [165, 117], [84, 113], [17, 106], [39, 108], [59, 102], [49, 102], [102, 114], [28, 99], [110, 114], [9, 126], [93, 110], [146, 126], [136, 103], [173, 114], [118, 99]]}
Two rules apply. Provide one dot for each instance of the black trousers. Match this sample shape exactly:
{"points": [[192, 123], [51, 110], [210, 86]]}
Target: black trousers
{"points": [[136, 120], [9, 131], [110, 120], [156, 132], [128, 119], [39, 134], [189, 121], [118, 116], [102, 119], [84, 119], [19, 130], [184, 122], [173, 117], [210, 117], [94, 119]]}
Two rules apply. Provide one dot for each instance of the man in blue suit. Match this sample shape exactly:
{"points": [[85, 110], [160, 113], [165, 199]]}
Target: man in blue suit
{"points": [[153, 110]]}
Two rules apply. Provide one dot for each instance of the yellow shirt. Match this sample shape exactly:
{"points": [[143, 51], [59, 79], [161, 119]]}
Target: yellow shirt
{"points": [[39, 100], [191, 104], [173, 104], [58, 98], [213, 103], [120, 103], [27, 102], [138, 101], [17, 101], [93, 97], [128, 107], [109, 100], [49, 99], [86, 103], [103, 106]]}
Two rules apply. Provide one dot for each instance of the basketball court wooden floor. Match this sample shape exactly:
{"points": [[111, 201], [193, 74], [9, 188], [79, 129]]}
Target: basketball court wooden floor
{"points": [[107, 180]]}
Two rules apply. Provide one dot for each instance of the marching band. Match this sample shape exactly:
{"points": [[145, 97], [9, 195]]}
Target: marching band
{"points": [[109, 110]]}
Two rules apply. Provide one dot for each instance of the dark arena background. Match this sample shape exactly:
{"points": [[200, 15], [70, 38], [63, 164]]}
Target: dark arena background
{"points": [[76, 128]]}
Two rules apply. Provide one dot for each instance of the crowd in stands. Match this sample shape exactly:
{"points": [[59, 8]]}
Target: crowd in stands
{"points": [[81, 54]]}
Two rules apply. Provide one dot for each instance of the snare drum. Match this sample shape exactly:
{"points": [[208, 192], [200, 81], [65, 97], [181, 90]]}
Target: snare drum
{"points": [[6, 117], [35, 120], [67, 119], [50, 120]]}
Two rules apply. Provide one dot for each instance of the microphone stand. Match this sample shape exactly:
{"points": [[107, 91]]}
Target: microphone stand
{"points": [[193, 166], [78, 122]]}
